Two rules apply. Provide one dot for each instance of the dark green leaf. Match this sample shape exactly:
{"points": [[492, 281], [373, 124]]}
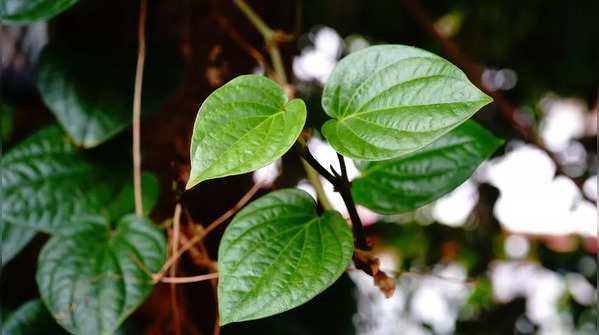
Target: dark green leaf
{"points": [[29, 11], [90, 89], [124, 202], [391, 100], [90, 278], [243, 126], [47, 182], [31, 318], [6, 123], [277, 254], [406, 183], [14, 238]]}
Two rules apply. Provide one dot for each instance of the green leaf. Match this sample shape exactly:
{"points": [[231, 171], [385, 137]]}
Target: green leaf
{"points": [[243, 126], [124, 202], [90, 278], [29, 11], [14, 239], [47, 182], [90, 88], [404, 184], [31, 318], [390, 100], [6, 123], [277, 254]]}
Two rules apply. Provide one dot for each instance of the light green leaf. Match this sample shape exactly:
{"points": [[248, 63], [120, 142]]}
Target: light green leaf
{"points": [[14, 239], [277, 254], [243, 126], [31, 318], [406, 183], [90, 88], [90, 278], [29, 11], [47, 182], [390, 100]]}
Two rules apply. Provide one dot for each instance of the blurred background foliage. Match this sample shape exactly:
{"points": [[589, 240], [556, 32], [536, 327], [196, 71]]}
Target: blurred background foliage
{"points": [[512, 251]]}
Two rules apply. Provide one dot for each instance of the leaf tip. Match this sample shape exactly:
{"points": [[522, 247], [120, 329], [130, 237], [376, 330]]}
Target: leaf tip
{"points": [[190, 183]]}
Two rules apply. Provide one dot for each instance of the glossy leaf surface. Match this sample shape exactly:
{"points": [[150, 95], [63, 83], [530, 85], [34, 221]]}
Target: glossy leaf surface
{"points": [[32, 318], [277, 254], [243, 126], [390, 100], [90, 88], [29, 11], [404, 184], [14, 238], [47, 182], [90, 278]]}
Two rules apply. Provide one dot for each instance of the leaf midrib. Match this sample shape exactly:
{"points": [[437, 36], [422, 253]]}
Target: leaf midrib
{"points": [[261, 281], [216, 160]]}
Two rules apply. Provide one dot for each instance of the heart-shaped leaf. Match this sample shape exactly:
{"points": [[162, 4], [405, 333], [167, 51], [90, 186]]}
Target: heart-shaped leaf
{"points": [[90, 88], [47, 181], [406, 183], [243, 126], [32, 318], [90, 278], [29, 11], [14, 238], [277, 254], [391, 100]]}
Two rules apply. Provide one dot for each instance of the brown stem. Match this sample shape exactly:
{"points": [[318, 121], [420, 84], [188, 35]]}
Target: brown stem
{"points": [[141, 56], [191, 279], [157, 277], [173, 270], [224, 23]]}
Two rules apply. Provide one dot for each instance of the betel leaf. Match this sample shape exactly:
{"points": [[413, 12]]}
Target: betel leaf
{"points": [[90, 88], [32, 318], [14, 238], [91, 278], [390, 100], [29, 11], [124, 202], [47, 181], [244, 125], [277, 254], [404, 184]]}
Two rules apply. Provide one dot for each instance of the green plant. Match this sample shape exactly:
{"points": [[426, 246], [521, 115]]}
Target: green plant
{"points": [[402, 111]]}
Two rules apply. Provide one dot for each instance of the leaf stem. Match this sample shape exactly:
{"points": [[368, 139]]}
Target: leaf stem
{"points": [[141, 55], [255, 19], [341, 185], [268, 34], [343, 167], [314, 178], [277, 62]]}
